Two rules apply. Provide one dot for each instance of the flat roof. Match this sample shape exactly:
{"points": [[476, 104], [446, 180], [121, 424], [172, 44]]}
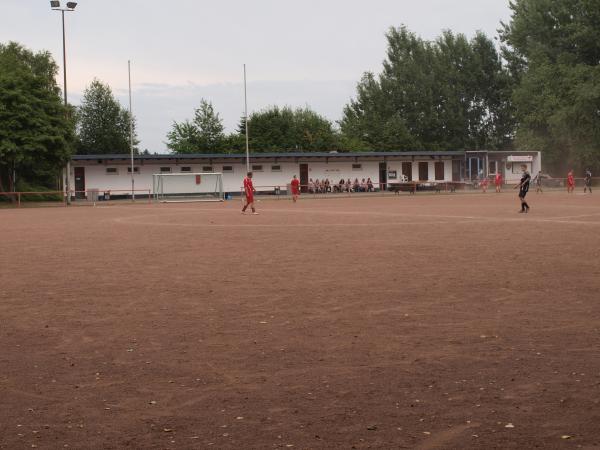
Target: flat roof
{"points": [[332, 155]]}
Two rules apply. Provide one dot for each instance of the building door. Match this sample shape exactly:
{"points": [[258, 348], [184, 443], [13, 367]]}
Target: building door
{"points": [[303, 178], [423, 171], [79, 173], [474, 168], [407, 170], [456, 170], [383, 176], [439, 171]]}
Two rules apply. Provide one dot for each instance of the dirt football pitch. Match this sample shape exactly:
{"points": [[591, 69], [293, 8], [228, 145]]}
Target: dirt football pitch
{"points": [[421, 322]]}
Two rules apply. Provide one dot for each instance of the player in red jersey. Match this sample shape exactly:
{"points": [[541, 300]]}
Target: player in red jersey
{"points": [[498, 182], [570, 182], [484, 184], [249, 192], [295, 185]]}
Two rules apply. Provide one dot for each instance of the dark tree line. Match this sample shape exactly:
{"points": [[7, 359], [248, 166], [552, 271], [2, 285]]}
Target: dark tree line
{"points": [[552, 48]]}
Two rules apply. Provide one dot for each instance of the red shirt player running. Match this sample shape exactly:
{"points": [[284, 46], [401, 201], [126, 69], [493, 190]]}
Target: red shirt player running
{"points": [[249, 193], [295, 185]]}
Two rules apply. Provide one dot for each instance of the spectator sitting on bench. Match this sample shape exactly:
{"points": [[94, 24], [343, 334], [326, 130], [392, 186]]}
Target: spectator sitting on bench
{"points": [[349, 185], [370, 187]]}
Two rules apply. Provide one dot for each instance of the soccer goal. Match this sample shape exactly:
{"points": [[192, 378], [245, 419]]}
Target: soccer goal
{"points": [[188, 187]]}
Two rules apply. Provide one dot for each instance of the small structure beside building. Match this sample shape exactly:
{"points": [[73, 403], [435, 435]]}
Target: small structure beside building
{"points": [[113, 172]]}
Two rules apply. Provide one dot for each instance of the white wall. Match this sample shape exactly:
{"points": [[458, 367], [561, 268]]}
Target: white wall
{"points": [[97, 178]]}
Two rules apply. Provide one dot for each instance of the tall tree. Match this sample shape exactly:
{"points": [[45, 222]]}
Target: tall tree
{"points": [[286, 129], [451, 93], [553, 47], [202, 135], [102, 123], [35, 136]]}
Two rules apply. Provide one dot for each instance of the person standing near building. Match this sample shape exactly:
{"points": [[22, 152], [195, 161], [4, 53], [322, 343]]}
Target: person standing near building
{"points": [[295, 187], [570, 182], [484, 184], [249, 193], [588, 181], [538, 183], [523, 189], [498, 182]]}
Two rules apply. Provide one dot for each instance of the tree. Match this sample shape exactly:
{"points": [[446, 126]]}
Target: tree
{"points": [[202, 135], [553, 47], [102, 124], [35, 134], [451, 93], [285, 129]]}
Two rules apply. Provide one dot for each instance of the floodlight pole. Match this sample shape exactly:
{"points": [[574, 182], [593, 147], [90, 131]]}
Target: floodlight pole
{"points": [[68, 186], [62, 10], [131, 133], [246, 123]]}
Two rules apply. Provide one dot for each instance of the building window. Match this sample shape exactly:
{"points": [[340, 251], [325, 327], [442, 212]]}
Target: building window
{"points": [[227, 168], [257, 168], [185, 169], [439, 171], [516, 167], [112, 171], [207, 168], [165, 170], [275, 168], [493, 167], [136, 170], [356, 166]]}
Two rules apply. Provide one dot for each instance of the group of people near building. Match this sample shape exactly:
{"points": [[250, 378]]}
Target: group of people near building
{"points": [[587, 181], [325, 186], [538, 181]]}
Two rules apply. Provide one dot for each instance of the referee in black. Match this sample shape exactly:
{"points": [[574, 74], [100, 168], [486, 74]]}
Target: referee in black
{"points": [[523, 189]]}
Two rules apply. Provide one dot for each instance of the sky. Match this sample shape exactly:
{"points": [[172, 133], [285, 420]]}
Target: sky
{"points": [[297, 53]]}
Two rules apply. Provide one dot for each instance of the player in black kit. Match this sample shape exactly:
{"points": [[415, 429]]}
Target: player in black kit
{"points": [[523, 189], [588, 181]]}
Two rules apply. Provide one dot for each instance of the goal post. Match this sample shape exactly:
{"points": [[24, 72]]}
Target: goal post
{"points": [[188, 187]]}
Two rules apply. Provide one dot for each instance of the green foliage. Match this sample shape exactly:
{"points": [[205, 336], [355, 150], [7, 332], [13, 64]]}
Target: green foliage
{"points": [[287, 130], [445, 95], [202, 135], [35, 135], [554, 50], [102, 124]]}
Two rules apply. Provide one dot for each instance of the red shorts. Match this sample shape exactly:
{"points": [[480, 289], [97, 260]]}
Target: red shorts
{"points": [[249, 198], [295, 191]]}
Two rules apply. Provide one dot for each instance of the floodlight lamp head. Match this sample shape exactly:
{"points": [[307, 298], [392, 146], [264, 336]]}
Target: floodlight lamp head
{"points": [[54, 4], [71, 5]]}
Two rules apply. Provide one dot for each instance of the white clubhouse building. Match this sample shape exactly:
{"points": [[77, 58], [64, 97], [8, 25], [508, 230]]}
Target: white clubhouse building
{"points": [[271, 170]]}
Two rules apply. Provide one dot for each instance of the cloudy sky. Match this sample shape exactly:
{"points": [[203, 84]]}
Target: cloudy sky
{"points": [[298, 53]]}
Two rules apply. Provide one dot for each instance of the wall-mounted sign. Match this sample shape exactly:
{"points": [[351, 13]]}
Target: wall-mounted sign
{"points": [[519, 158], [392, 174]]}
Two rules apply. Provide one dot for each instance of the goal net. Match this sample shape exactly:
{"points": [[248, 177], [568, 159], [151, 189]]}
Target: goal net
{"points": [[187, 187]]}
